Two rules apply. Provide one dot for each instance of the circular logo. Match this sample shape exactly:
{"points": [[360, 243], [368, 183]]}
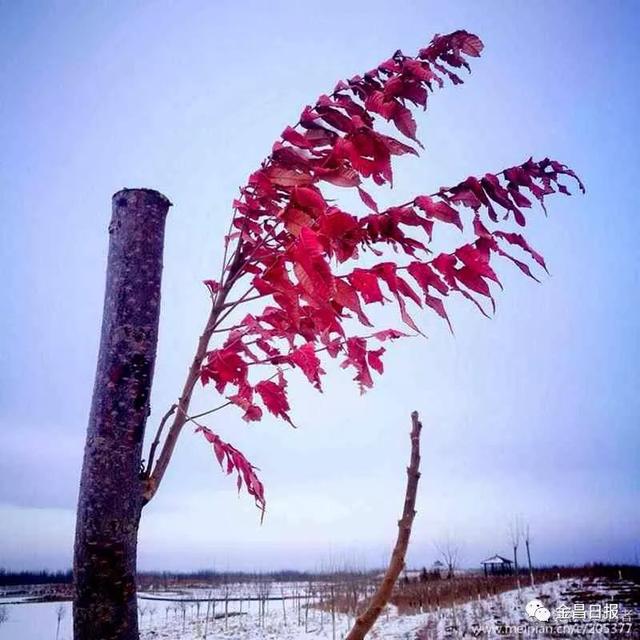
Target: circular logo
{"points": [[536, 609]]}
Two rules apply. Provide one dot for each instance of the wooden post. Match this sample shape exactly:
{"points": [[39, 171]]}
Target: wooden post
{"points": [[111, 486], [206, 619]]}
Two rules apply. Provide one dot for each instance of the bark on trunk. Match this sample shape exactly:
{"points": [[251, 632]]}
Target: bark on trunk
{"points": [[110, 499], [365, 622]]}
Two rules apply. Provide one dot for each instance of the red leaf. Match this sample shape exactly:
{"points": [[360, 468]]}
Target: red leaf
{"points": [[470, 44], [287, 177], [310, 267], [334, 118], [237, 461], [397, 148], [366, 283], [346, 296], [404, 121], [294, 137], [305, 357], [373, 358], [357, 358], [438, 306], [477, 261], [521, 265], [342, 232], [243, 399], [387, 272], [439, 210], [218, 450], [308, 198], [342, 176], [275, 399], [294, 219], [223, 366], [473, 281], [389, 334], [470, 194], [518, 240], [499, 194], [253, 413], [212, 285], [368, 200], [426, 277], [446, 265]]}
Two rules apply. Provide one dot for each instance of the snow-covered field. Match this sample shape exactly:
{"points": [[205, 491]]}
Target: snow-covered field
{"points": [[291, 619], [480, 618], [36, 621]]}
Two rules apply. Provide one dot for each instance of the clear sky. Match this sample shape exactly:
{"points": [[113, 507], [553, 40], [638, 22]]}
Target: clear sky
{"points": [[534, 412]]}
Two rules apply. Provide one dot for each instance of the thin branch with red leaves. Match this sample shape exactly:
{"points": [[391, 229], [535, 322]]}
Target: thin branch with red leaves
{"points": [[289, 238]]}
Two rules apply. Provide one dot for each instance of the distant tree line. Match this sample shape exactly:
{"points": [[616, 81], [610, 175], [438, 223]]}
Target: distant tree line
{"points": [[210, 576], [14, 578]]}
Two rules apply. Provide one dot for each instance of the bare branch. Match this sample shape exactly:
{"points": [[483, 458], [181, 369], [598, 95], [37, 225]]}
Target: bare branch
{"points": [[243, 298], [364, 622], [156, 440], [515, 534], [206, 413]]}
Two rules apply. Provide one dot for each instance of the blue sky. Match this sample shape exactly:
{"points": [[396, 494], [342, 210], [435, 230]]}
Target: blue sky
{"points": [[534, 412]]}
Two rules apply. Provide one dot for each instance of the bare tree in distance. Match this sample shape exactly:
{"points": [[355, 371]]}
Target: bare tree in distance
{"points": [[449, 551], [4, 614], [515, 534], [527, 543]]}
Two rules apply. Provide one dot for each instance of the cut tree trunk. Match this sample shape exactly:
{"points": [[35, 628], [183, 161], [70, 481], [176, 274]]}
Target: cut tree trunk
{"points": [[111, 485], [365, 622]]}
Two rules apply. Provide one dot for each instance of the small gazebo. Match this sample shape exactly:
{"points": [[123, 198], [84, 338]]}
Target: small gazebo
{"points": [[497, 566]]}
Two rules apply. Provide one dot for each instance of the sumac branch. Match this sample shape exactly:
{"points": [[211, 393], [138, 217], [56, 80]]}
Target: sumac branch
{"points": [[295, 255]]}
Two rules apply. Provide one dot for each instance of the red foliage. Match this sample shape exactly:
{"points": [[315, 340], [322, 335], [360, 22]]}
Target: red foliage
{"points": [[235, 461], [289, 240]]}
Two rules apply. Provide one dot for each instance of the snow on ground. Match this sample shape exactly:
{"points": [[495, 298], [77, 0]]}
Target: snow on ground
{"points": [[18, 599], [36, 621], [291, 620], [476, 618], [479, 618]]}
